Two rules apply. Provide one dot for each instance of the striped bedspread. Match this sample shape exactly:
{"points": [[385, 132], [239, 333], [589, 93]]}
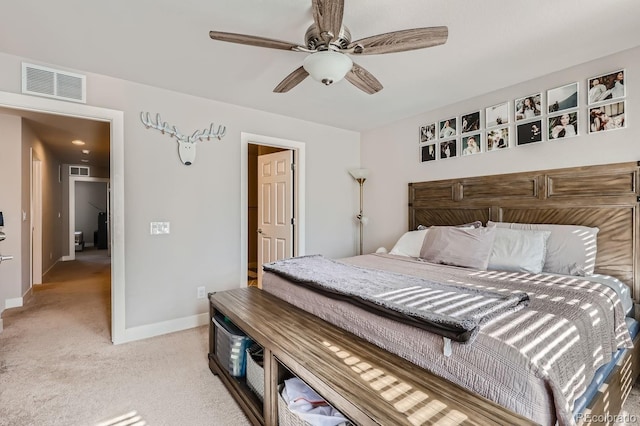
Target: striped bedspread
{"points": [[535, 361], [452, 311]]}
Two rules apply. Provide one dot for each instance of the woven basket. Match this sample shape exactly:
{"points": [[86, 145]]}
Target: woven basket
{"points": [[288, 418], [255, 373], [285, 416]]}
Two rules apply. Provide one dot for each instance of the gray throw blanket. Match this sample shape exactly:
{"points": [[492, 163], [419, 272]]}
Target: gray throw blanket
{"points": [[452, 311]]}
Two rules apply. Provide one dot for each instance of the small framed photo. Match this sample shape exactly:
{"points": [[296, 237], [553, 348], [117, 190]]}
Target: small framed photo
{"points": [[561, 98], [563, 126], [448, 128], [471, 144], [607, 117], [470, 122], [530, 132], [606, 87], [428, 133], [528, 107], [449, 148], [428, 152], [497, 115], [498, 139]]}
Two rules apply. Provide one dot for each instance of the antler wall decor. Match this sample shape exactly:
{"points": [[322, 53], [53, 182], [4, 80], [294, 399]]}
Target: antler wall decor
{"points": [[186, 144]]}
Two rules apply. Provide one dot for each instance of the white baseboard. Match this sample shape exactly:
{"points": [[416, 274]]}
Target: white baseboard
{"points": [[67, 258], [165, 327], [27, 296], [16, 302], [51, 267]]}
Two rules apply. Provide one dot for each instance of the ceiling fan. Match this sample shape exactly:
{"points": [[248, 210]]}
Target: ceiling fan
{"points": [[329, 45]]}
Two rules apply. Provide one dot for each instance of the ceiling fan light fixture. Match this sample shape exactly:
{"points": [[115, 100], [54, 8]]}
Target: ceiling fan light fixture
{"points": [[327, 66]]}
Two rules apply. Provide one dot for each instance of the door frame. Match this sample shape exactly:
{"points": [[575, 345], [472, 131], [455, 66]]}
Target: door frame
{"points": [[299, 195], [72, 209], [116, 120], [35, 228]]}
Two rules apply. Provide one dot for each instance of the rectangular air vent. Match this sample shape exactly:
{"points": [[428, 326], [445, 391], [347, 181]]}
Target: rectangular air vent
{"points": [[43, 81], [78, 171]]}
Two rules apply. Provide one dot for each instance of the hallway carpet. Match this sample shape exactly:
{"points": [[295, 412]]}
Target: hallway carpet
{"points": [[59, 367]]}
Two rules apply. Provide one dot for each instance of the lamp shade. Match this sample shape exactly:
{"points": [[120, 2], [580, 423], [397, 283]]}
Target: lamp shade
{"points": [[359, 173], [327, 66]]}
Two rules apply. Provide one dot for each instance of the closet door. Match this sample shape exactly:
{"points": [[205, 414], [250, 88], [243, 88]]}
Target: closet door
{"points": [[275, 208]]}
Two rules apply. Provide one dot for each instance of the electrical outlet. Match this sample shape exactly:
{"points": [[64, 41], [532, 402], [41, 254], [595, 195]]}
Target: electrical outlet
{"points": [[201, 292]]}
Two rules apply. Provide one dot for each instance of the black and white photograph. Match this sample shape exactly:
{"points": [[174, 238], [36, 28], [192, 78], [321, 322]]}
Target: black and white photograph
{"points": [[471, 144], [428, 152], [498, 139], [449, 149], [428, 133], [529, 132], [448, 128], [470, 122], [606, 87], [562, 98], [528, 107], [607, 117], [563, 125], [497, 115]]}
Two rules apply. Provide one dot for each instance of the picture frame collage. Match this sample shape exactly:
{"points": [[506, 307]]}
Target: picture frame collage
{"points": [[527, 120]]}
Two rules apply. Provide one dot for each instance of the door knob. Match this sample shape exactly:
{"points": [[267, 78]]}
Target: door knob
{"points": [[259, 231], [5, 258]]}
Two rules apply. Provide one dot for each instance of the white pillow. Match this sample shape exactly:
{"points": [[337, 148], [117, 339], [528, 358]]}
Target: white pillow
{"points": [[519, 250], [571, 249], [410, 243]]}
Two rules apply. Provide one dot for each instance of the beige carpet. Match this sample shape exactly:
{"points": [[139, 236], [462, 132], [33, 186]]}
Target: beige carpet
{"points": [[58, 366]]}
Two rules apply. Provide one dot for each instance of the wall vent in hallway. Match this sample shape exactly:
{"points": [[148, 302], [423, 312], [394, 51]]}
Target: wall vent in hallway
{"points": [[79, 171], [43, 81]]}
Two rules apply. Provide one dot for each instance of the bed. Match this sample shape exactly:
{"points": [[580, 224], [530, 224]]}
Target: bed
{"points": [[587, 365]]}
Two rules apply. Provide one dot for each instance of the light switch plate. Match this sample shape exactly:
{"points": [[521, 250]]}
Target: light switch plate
{"points": [[158, 228]]}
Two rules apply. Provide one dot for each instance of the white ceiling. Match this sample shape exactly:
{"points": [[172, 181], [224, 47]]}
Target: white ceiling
{"points": [[165, 43]]}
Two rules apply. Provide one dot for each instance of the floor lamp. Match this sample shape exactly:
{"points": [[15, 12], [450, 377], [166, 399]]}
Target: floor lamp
{"points": [[360, 175]]}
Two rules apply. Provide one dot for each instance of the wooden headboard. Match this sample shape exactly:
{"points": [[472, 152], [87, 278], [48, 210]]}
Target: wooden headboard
{"points": [[603, 196]]}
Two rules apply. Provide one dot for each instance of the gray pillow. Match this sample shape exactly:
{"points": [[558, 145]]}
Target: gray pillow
{"points": [[410, 243], [571, 249], [466, 247], [519, 250]]}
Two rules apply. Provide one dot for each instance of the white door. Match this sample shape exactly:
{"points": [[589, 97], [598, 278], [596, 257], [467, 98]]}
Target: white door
{"points": [[109, 218], [275, 208], [36, 222]]}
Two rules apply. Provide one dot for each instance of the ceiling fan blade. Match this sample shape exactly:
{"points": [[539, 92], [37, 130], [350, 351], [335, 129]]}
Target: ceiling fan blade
{"points": [[291, 81], [327, 15], [400, 41], [252, 40], [363, 80]]}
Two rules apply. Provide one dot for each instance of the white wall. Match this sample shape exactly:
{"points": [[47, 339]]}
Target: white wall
{"points": [[202, 200], [52, 237], [392, 154], [10, 204]]}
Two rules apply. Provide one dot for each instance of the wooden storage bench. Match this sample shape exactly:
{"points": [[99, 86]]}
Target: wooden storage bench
{"points": [[367, 384]]}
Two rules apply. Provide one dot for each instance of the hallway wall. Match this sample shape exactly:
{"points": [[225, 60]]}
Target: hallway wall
{"points": [[10, 204]]}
